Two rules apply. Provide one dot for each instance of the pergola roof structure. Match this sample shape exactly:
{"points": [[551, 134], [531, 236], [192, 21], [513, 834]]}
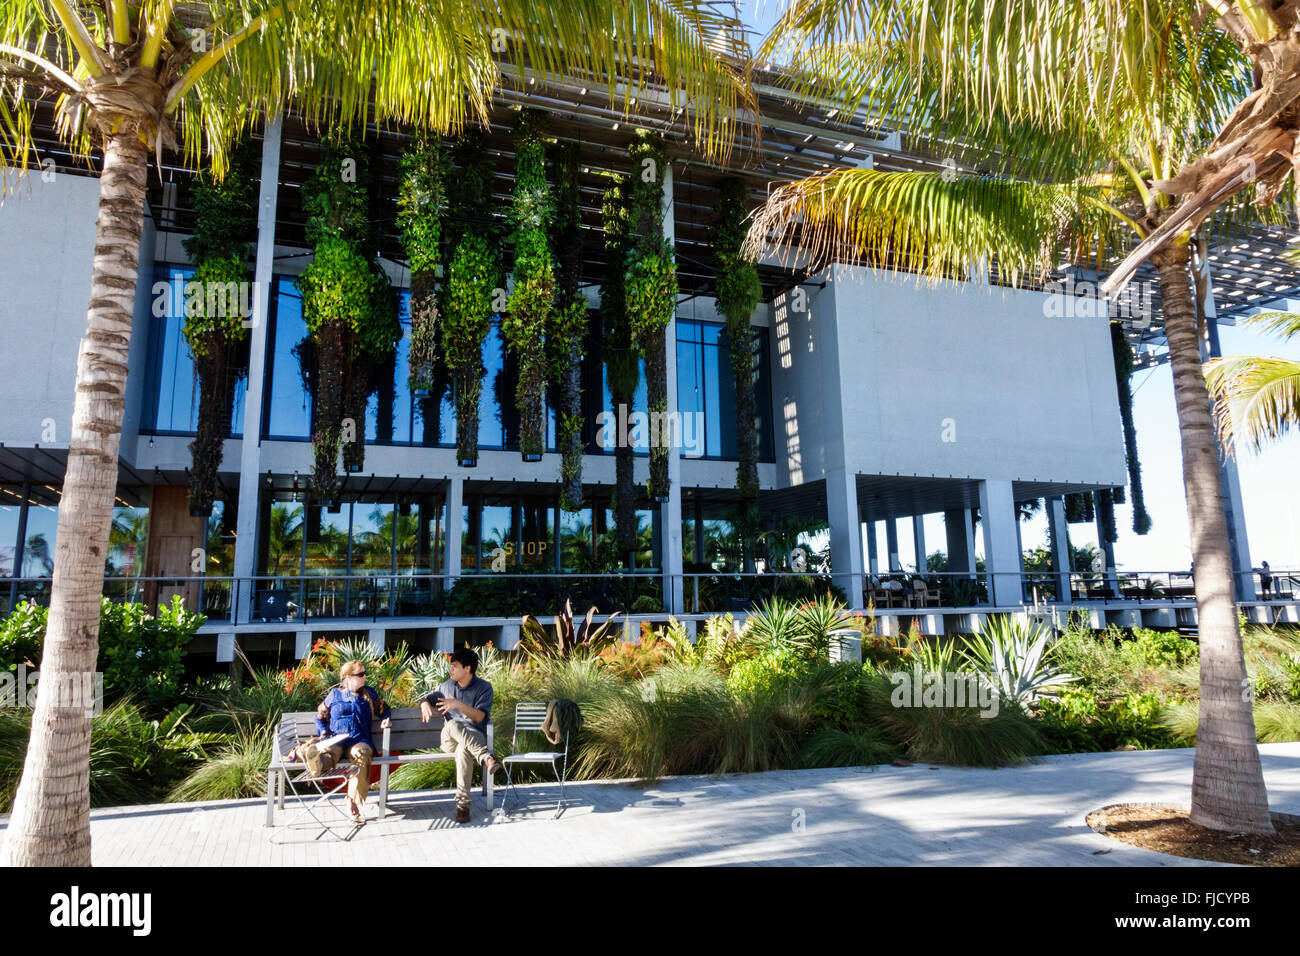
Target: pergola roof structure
{"points": [[795, 138]]}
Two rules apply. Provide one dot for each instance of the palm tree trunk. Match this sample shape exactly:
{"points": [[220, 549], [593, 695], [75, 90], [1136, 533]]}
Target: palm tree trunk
{"points": [[51, 819], [1228, 782]]}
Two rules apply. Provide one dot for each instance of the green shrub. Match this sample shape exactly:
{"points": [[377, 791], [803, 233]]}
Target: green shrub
{"points": [[142, 655], [133, 759], [235, 771], [833, 747], [770, 669], [257, 703], [1277, 723], [960, 736], [1147, 648], [21, 635], [1078, 722]]}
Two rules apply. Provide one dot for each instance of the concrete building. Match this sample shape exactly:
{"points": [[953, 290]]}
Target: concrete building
{"points": [[880, 399]]}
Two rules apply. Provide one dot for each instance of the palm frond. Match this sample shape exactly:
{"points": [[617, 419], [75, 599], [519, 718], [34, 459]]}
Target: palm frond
{"points": [[1257, 399]]}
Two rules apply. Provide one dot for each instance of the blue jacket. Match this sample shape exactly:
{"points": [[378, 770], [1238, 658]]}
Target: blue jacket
{"points": [[351, 714]]}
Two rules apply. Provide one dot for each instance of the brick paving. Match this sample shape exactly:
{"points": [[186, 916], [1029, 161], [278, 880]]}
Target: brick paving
{"points": [[893, 816]]}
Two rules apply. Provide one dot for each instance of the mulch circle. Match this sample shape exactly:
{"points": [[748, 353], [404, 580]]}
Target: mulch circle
{"points": [[1168, 830]]}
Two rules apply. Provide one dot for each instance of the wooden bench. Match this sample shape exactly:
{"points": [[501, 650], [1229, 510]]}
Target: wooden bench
{"points": [[408, 733]]}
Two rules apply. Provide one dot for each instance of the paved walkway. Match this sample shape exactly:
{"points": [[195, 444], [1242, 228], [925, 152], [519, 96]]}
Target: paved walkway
{"points": [[893, 816]]}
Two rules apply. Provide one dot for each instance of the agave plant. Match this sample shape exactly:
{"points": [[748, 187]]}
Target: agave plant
{"points": [[427, 672], [1016, 659], [536, 642]]}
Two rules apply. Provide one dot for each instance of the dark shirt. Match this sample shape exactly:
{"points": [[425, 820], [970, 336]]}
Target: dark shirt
{"points": [[351, 714], [477, 694]]}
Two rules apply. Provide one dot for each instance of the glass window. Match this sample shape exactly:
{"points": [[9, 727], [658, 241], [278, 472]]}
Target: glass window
{"points": [[221, 540], [288, 408], [576, 540], [38, 549], [420, 535], [606, 553], [128, 536], [639, 437], [498, 551], [537, 542], [284, 538], [372, 536], [175, 399], [706, 389], [327, 540], [10, 512]]}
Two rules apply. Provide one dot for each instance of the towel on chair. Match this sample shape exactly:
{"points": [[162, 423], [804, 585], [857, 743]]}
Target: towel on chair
{"points": [[562, 718]]}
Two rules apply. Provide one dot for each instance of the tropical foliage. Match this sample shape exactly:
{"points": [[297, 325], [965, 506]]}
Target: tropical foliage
{"points": [[566, 337], [525, 327], [419, 219], [1257, 399]]}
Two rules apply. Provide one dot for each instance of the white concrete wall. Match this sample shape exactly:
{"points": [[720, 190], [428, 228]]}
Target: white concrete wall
{"points": [[958, 380], [47, 243]]}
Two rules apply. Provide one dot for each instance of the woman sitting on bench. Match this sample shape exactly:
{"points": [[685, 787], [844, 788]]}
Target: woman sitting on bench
{"points": [[347, 712]]}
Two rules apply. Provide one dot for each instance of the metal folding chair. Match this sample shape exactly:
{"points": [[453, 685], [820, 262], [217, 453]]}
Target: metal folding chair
{"points": [[317, 799], [529, 718]]}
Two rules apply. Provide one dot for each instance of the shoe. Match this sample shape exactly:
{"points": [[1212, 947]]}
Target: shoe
{"points": [[462, 814], [492, 766], [311, 757]]}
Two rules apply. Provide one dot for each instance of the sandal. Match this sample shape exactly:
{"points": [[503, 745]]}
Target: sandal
{"points": [[357, 818]]}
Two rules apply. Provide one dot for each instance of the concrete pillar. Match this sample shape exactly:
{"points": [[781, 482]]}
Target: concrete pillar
{"points": [[846, 535], [455, 526], [998, 512], [375, 638], [444, 640], [250, 452], [301, 644], [1059, 542], [226, 647], [960, 532], [872, 563], [891, 544], [670, 511], [918, 541], [1107, 547]]}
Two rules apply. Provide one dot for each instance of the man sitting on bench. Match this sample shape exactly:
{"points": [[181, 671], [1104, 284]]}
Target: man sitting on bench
{"points": [[465, 702]]}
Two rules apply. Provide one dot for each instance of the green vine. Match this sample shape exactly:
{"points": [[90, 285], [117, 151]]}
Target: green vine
{"points": [[619, 353], [348, 306], [567, 333], [524, 327], [739, 292], [470, 278], [651, 290], [419, 220], [215, 327], [1123, 382]]}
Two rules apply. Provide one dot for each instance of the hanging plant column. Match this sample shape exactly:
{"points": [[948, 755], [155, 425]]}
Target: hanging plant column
{"points": [[224, 225], [524, 328], [651, 295], [471, 277], [620, 363], [419, 220], [738, 292], [1123, 383], [348, 307], [568, 328]]}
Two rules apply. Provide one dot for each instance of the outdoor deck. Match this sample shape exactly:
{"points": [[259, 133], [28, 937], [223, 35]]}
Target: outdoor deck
{"points": [[894, 816]]}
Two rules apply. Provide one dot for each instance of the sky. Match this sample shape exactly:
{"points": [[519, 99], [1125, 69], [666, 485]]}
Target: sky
{"points": [[1269, 478]]}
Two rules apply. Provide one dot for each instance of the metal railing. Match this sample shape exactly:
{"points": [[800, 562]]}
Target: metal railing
{"points": [[375, 596]]}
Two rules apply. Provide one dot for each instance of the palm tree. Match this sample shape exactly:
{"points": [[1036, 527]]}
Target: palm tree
{"points": [[1079, 113], [128, 76], [1257, 399]]}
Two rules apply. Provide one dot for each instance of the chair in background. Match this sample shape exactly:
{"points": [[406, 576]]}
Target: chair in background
{"points": [[529, 718]]}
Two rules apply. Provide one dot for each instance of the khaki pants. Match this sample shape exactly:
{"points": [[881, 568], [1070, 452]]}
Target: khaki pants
{"points": [[360, 755], [470, 747]]}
